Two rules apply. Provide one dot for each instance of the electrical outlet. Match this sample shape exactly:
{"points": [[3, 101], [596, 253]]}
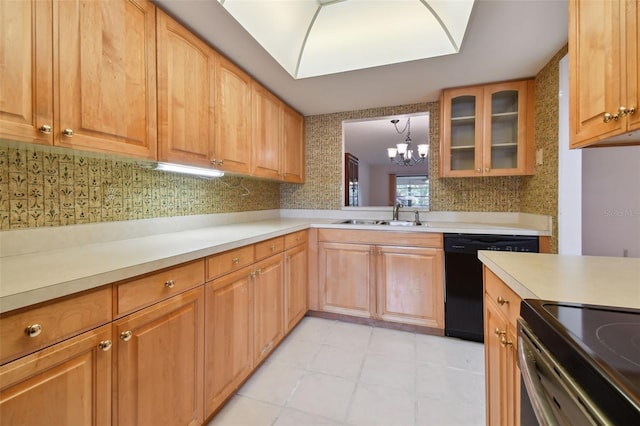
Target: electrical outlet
{"points": [[539, 157]]}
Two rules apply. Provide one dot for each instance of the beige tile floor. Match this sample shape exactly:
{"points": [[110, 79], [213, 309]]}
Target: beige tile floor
{"points": [[335, 373]]}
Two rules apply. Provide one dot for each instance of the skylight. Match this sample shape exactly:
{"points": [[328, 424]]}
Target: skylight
{"points": [[310, 38]]}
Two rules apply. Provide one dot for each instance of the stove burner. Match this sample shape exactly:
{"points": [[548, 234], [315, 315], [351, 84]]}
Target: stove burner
{"points": [[629, 348]]}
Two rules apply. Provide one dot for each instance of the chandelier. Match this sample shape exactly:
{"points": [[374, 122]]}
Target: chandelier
{"points": [[402, 154]]}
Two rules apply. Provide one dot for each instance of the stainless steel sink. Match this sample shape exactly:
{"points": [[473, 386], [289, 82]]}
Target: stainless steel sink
{"points": [[361, 222], [382, 222], [399, 223]]}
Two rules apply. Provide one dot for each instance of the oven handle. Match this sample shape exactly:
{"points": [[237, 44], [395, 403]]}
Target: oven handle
{"points": [[539, 402]]}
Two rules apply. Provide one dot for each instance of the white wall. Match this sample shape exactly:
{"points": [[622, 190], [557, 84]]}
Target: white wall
{"points": [[569, 176], [611, 201]]}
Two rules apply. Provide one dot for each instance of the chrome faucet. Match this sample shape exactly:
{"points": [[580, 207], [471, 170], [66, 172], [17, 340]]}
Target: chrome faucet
{"points": [[417, 217], [395, 211]]}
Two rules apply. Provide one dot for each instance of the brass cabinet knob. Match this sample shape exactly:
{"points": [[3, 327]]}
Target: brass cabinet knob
{"points": [[126, 335], [273, 247], [487, 169], [501, 301], [46, 129], [499, 333], [235, 260], [259, 271], [608, 117], [217, 163], [68, 132], [504, 342], [170, 284], [478, 170], [105, 345], [623, 111], [33, 330], [220, 163]]}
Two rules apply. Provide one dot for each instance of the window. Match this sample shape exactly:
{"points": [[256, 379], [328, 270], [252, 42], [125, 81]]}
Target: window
{"points": [[412, 191]]}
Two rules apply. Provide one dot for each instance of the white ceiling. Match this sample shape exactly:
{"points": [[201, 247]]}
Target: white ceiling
{"points": [[506, 39]]}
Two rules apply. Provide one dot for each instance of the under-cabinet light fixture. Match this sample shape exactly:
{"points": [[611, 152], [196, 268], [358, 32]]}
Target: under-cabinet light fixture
{"points": [[190, 170]]}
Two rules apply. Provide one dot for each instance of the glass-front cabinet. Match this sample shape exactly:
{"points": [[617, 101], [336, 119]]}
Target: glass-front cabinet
{"points": [[487, 130]]}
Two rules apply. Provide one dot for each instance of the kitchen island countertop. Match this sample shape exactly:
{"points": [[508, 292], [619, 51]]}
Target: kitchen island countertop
{"points": [[596, 280]]}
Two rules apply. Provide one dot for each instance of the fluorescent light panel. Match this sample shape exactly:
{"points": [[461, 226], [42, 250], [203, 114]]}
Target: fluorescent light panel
{"points": [[316, 37], [190, 170]]}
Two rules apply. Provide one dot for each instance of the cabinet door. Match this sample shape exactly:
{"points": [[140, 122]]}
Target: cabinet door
{"points": [[345, 279], [158, 375], [105, 76], [229, 333], [496, 367], [295, 285], [186, 95], [595, 67], [410, 285], [68, 383], [505, 141], [233, 118], [632, 33], [293, 146], [266, 133], [461, 127], [26, 55], [268, 317]]}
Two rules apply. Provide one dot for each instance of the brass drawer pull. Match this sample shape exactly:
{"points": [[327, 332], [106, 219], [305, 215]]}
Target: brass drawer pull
{"points": [[235, 260], [170, 284], [126, 335], [105, 345], [273, 247], [501, 301], [33, 330]]}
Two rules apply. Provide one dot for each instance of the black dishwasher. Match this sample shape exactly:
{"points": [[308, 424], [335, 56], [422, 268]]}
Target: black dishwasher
{"points": [[463, 278]]}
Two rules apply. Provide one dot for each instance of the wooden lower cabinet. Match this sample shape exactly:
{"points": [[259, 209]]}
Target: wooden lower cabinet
{"points": [[502, 375], [409, 285], [67, 383], [228, 336], [158, 365], [346, 279], [400, 283], [268, 315], [295, 285]]}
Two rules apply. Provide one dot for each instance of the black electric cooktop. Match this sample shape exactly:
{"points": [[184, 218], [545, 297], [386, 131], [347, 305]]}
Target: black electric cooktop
{"points": [[599, 346]]}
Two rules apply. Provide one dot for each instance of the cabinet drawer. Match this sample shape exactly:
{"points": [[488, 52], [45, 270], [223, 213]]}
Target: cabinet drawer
{"points": [[148, 289], [294, 239], [269, 247], [507, 301], [56, 321], [228, 261]]}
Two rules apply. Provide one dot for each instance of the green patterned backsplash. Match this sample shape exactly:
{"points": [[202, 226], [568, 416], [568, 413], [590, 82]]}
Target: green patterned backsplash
{"points": [[42, 186]]}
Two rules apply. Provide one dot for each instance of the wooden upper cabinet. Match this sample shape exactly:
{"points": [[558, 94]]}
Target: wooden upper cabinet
{"points": [[233, 118], [186, 95], [266, 133], [105, 76], [26, 54], [488, 130], [603, 72], [293, 144]]}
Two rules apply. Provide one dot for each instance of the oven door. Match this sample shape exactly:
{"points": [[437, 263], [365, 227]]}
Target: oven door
{"points": [[549, 392]]}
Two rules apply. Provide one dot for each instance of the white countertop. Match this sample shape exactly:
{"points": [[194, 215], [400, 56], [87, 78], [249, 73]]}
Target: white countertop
{"points": [[37, 265], [596, 280]]}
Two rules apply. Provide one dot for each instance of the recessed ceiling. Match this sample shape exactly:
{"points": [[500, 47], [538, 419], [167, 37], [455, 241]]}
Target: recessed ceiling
{"points": [[309, 38], [505, 40]]}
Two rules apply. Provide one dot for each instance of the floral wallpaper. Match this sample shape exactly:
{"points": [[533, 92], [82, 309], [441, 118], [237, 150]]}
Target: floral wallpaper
{"points": [[42, 186]]}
